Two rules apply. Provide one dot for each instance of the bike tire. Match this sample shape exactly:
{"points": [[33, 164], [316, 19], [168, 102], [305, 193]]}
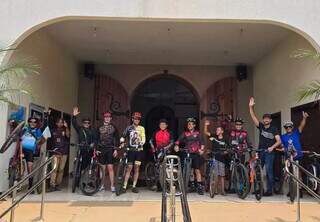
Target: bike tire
{"points": [[12, 137], [311, 182], [292, 186], [186, 174], [76, 175], [92, 177], [150, 174], [12, 171], [120, 177], [212, 183], [258, 183], [242, 181]]}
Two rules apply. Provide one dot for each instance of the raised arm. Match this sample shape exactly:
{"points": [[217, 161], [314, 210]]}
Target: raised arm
{"points": [[305, 115], [252, 113], [74, 121]]}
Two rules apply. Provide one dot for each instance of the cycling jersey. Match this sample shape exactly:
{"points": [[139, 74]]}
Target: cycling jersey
{"points": [[162, 139], [241, 138], [136, 136], [192, 141], [86, 136], [108, 136]]}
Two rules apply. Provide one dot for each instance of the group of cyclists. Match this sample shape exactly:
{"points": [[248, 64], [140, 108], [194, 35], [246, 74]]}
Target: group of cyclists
{"points": [[107, 140]]}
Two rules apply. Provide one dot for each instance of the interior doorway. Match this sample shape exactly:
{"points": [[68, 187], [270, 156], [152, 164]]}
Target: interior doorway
{"points": [[165, 96]]}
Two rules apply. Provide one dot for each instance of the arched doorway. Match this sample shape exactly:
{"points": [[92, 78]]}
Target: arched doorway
{"points": [[165, 96]]}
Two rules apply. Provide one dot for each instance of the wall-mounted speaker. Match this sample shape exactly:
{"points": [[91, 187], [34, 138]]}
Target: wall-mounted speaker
{"points": [[89, 70], [241, 72]]}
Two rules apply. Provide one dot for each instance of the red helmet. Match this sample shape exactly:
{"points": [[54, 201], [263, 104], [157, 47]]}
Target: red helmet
{"points": [[107, 114], [136, 115]]}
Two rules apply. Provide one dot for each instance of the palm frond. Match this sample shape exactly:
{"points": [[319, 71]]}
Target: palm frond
{"points": [[20, 69], [306, 54], [311, 90]]}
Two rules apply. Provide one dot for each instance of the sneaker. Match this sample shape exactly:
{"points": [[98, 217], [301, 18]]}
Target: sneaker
{"points": [[135, 190], [51, 189], [101, 188], [154, 187], [200, 190], [123, 190], [113, 189]]}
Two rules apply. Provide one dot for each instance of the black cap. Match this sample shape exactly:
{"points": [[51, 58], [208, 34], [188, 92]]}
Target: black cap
{"points": [[163, 121], [267, 115]]}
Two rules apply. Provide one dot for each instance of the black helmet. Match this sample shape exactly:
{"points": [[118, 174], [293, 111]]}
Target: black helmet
{"points": [[85, 119], [163, 121], [239, 120], [191, 119]]}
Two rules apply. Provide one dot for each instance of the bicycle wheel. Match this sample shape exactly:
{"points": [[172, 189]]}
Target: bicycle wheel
{"points": [[12, 137], [311, 182], [90, 181], [186, 173], [242, 181], [150, 174], [120, 176], [292, 185], [76, 175], [12, 171], [212, 182], [258, 184]]}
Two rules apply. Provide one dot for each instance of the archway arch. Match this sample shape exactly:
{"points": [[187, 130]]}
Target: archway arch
{"points": [[166, 92]]}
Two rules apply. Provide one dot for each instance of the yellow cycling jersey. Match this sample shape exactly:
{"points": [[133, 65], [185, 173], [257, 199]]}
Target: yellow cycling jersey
{"points": [[136, 136]]}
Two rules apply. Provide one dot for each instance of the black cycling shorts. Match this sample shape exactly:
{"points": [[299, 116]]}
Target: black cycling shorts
{"points": [[197, 160], [86, 158], [28, 155], [135, 157], [105, 157]]}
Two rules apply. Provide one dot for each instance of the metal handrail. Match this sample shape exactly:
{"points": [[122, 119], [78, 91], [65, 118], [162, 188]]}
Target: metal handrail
{"points": [[14, 188], [314, 194]]}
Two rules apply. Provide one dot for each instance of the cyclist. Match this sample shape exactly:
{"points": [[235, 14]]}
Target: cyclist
{"points": [[195, 146], [30, 137], [161, 140], [108, 139], [269, 140], [135, 134], [292, 136], [239, 137], [59, 143], [291, 139], [86, 137], [219, 142]]}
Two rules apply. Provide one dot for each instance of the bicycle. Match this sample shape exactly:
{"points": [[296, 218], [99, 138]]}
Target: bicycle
{"points": [[153, 170], [313, 168], [13, 136], [239, 175], [255, 173], [17, 166], [77, 166], [292, 184], [186, 170], [91, 176], [121, 170], [211, 176]]}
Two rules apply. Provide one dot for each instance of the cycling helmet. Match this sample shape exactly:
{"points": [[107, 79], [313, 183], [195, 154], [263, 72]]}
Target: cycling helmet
{"points": [[86, 119], [107, 114], [33, 118], [136, 115], [288, 124], [163, 121], [239, 120], [191, 119]]}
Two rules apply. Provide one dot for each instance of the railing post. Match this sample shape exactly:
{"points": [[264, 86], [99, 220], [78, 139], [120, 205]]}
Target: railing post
{"points": [[44, 171], [298, 192], [14, 194]]}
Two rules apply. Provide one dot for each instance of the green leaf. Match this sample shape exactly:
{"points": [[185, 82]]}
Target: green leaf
{"points": [[311, 90]]}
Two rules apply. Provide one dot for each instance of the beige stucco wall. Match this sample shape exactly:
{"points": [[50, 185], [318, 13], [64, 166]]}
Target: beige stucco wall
{"points": [[56, 86], [277, 77]]}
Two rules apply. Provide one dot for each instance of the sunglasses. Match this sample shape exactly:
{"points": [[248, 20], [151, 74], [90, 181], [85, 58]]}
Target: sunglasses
{"points": [[288, 127], [239, 124], [32, 121], [86, 122]]}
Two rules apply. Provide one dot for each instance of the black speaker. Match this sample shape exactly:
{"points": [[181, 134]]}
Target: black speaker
{"points": [[241, 71], [89, 70]]}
